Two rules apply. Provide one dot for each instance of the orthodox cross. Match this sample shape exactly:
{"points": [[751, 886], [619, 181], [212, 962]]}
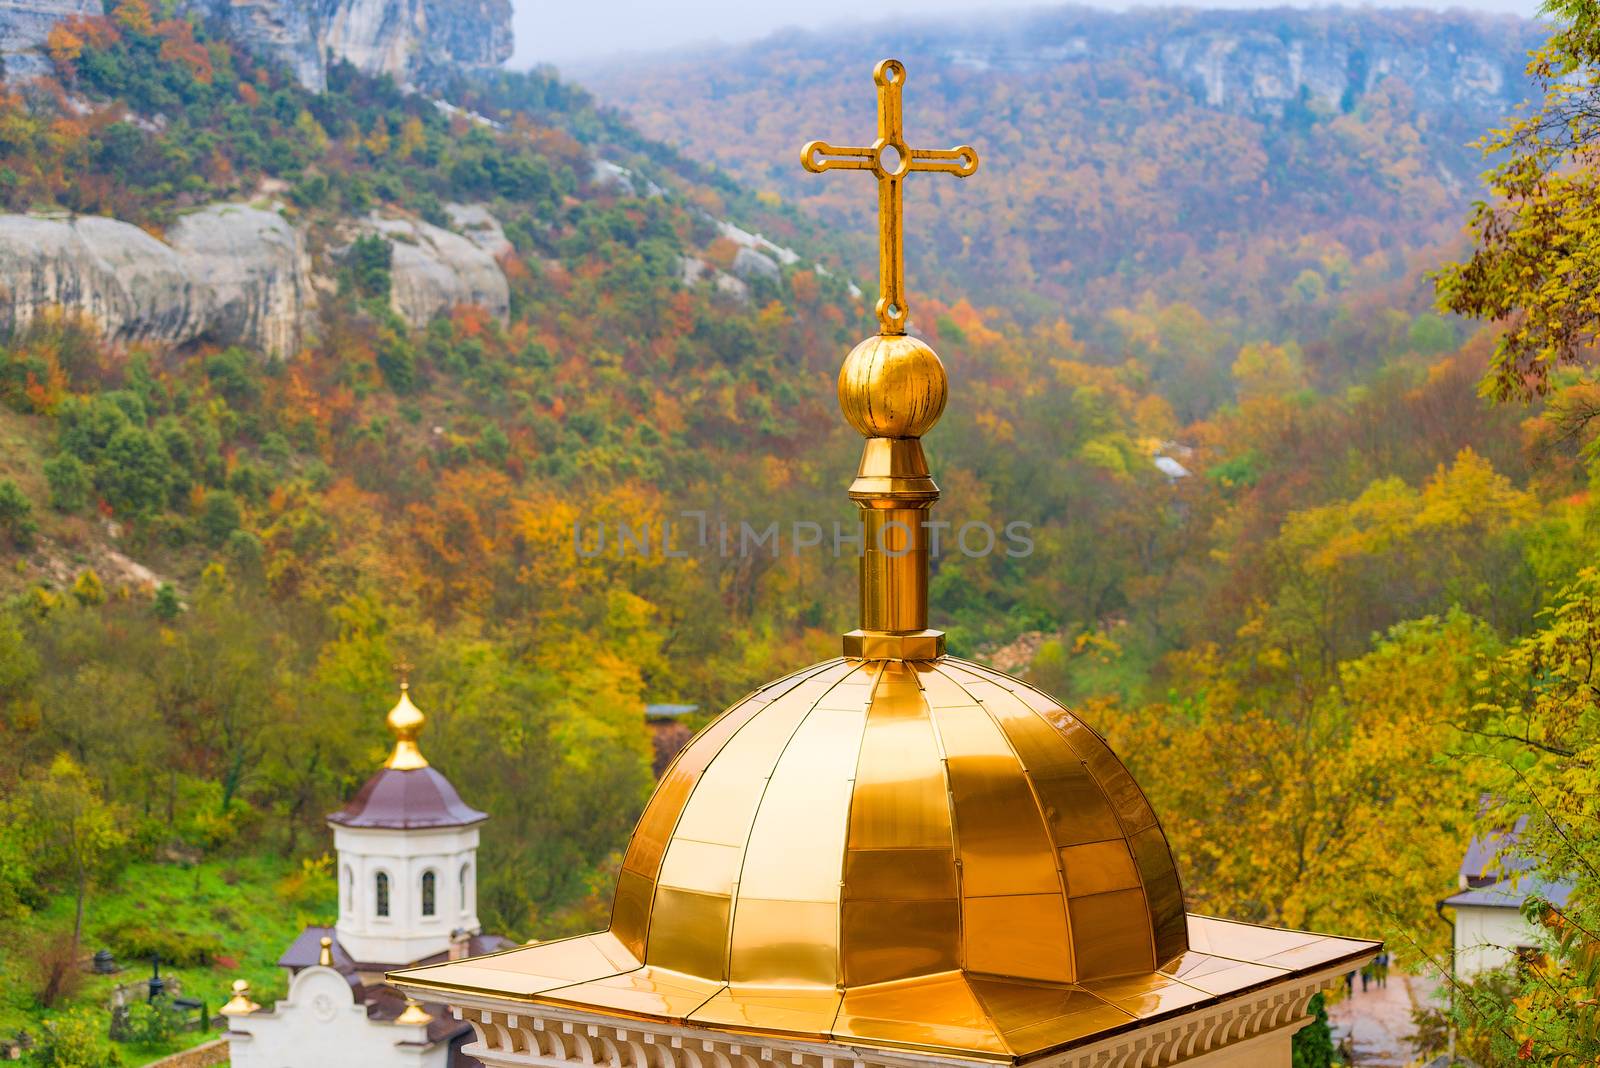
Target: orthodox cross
{"points": [[402, 667], [890, 160]]}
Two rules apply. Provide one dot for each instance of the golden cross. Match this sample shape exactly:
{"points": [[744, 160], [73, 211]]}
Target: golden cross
{"points": [[890, 159], [403, 668]]}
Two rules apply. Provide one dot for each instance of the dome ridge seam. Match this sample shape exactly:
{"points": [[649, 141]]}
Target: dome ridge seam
{"points": [[755, 815], [1044, 823]]}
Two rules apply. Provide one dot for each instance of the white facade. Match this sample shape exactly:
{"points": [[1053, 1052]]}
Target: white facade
{"points": [[1488, 937], [387, 913], [321, 1023]]}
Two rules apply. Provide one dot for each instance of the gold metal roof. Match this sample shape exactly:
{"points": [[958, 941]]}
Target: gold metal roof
{"points": [[927, 855]]}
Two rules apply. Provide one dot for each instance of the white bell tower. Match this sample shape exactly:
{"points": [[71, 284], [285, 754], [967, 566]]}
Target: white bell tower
{"points": [[408, 856]]}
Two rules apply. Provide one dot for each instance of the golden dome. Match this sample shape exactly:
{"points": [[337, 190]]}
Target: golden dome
{"points": [[866, 822], [405, 721], [892, 386]]}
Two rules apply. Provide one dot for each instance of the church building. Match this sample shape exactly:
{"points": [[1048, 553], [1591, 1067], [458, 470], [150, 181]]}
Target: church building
{"points": [[407, 849], [896, 858]]}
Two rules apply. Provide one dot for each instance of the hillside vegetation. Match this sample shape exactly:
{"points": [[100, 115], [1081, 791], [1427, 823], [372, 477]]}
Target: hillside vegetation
{"points": [[214, 561]]}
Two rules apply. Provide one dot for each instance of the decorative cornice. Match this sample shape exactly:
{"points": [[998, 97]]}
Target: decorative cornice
{"points": [[520, 1035]]}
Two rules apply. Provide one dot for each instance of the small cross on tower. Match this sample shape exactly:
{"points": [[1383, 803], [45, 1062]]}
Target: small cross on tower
{"points": [[890, 160]]}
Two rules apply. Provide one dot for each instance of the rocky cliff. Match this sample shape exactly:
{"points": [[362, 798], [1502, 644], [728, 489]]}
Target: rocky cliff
{"points": [[432, 270], [229, 274], [1260, 62], [408, 39]]}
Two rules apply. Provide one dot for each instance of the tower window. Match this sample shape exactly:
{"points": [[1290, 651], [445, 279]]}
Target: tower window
{"points": [[383, 894], [349, 890], [427, 893], [466, 899]]}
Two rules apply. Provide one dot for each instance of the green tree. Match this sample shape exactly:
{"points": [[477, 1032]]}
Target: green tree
{"points": [[78, 832], [135, 474], [369, 261], [219, 517], [166, 606], [16, 516], [69, 482]]}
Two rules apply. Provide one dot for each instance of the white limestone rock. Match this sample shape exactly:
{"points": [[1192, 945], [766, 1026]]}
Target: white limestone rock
{"points": [[757, 243], [24, 25], [254, 263], [434, 270], [694, 270], [478, 225], [407, 39], [748, 263], [130, 285]]}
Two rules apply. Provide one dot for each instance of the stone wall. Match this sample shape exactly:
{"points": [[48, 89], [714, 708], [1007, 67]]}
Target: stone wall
{"points": [[205, 1055]]}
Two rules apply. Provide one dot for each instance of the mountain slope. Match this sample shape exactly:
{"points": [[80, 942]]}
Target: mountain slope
{"points": [[1248, 162]]}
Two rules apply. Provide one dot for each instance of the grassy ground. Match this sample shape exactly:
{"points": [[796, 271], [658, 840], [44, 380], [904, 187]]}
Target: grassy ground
{"points": [[253, 906]]}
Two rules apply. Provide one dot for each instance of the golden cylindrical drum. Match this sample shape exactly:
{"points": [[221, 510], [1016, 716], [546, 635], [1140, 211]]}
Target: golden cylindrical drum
{"points": [[894, 569]]}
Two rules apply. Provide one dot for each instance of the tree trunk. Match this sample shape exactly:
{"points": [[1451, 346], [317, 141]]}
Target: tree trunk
{"points": [[77, 921]]}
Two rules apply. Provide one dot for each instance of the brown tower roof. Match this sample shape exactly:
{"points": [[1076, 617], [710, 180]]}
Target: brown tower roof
{"points": [[401, 800]]}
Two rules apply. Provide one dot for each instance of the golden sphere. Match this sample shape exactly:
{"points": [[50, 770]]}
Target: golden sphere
{"points": [[892, 386]]}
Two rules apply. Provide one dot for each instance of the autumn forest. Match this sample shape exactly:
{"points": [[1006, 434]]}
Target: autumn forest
{"points": [[1304, 441]]}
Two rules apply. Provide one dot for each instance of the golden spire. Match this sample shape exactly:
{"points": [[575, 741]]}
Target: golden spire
{"points": [[240, 1004], [892, 388], [406, 721], [325, 954], [414, 1014]]}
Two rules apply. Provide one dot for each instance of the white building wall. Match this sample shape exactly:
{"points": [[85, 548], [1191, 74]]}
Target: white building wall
{"points": [[320, 1024], [405, 935], [1487, 938]]}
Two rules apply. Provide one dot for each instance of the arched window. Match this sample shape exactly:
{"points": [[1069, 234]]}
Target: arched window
{"points": [[427, 893], [382, 884], [466, 898], [349, 890]]}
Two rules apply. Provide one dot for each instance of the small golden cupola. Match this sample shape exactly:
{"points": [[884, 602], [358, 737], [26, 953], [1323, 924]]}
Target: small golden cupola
{"points": [[894, 852], [405, 723]]}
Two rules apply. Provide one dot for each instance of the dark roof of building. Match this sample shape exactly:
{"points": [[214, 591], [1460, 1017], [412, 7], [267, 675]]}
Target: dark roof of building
{"points": [[402, 800], [1492, 854], [1495, 874], [477, 946], [384, 1002], [306, 950], [668, 711], [1505, 895]]}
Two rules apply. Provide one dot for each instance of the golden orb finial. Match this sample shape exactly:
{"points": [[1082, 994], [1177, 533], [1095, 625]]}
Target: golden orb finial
{"points": [[414, 1014], [892, 386], [240, 1004], [325, 955], [405, 720]]}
